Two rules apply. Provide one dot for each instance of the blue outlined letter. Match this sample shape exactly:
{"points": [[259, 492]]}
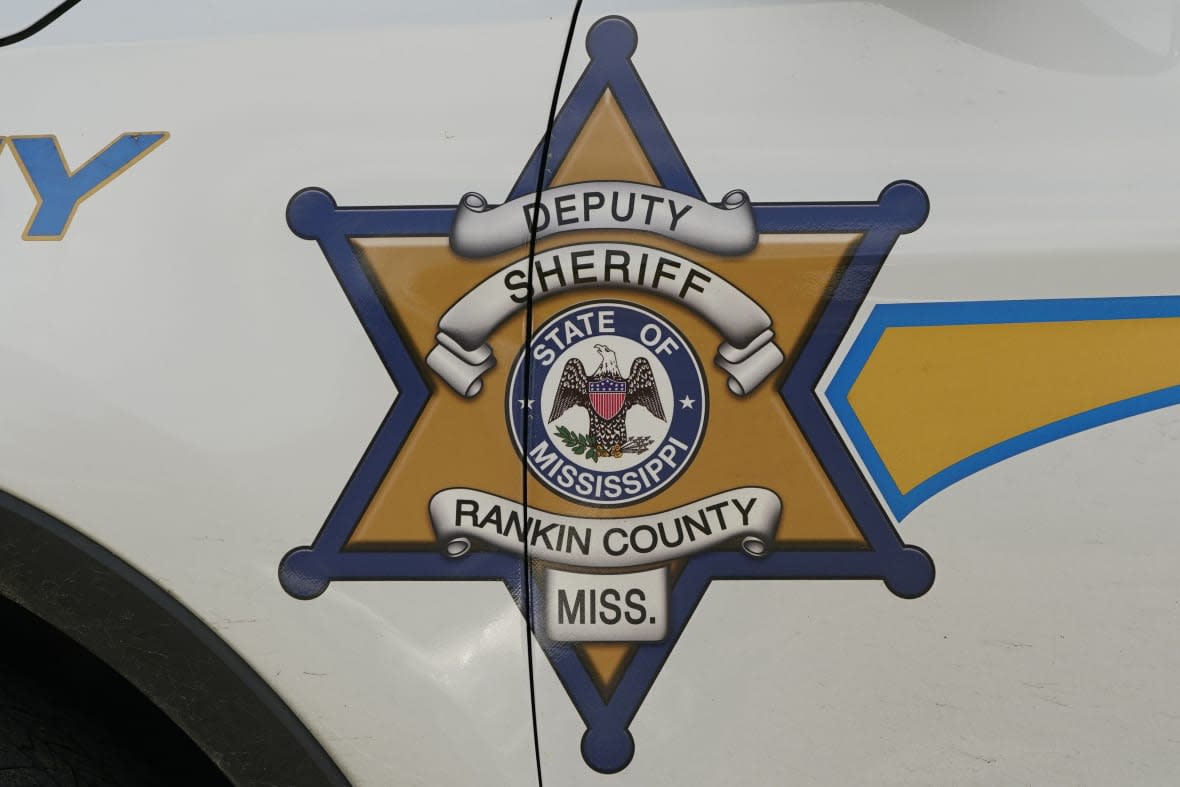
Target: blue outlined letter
{"points": [[58, 190]]}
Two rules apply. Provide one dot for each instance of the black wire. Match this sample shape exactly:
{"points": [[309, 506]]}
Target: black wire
{"points": [[39, 25], [527, 584]]}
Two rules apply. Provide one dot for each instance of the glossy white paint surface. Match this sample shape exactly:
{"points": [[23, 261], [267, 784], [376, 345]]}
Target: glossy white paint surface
{"points": [[185, 382]]}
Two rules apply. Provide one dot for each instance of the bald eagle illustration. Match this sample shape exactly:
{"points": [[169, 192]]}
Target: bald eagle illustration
{"points": [[607, 396]]}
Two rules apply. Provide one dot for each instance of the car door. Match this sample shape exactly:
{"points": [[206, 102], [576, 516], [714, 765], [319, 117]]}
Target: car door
{"points": [[897, 304]]}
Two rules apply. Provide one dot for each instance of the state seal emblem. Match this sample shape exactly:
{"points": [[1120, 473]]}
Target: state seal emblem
{"points": [[639, 367], [607, 437]]}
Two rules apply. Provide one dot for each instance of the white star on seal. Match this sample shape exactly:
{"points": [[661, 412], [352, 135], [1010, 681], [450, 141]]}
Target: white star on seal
{"points": [[687, 403], [526, 405]]}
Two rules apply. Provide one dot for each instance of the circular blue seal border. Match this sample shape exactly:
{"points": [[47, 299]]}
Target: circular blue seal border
{"points": [[685, 425]]}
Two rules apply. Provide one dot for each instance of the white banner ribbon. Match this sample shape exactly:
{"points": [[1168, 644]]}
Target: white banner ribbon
{"points": [[748, 354], [747, 516], [725, 228]]}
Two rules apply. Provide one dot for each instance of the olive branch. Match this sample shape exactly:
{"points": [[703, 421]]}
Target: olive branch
{"points": [[587, 446], [580, 444]]}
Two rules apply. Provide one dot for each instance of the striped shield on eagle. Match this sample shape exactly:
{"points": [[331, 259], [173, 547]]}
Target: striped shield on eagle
{"points": [[607, 396]]}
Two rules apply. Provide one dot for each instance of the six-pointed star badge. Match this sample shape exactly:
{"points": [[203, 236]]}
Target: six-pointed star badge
{"points": [[663, 406]]}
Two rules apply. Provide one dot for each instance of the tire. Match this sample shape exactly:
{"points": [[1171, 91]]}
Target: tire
{"points": [[67, 720]]}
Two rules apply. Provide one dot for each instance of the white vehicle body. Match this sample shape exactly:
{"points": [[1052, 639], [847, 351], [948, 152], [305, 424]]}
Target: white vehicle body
{"points": [[186, 384]]}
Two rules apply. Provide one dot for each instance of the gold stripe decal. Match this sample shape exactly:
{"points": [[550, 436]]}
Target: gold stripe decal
{"points": [[930, 393]]}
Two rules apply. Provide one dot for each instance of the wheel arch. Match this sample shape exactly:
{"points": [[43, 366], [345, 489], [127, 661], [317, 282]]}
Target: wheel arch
{"points": [[122, 617]]}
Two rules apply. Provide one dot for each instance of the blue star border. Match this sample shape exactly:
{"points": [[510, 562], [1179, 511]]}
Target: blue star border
{"points": [[907, 571]]}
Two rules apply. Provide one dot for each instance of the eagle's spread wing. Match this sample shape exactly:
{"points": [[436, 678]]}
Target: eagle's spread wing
{"points": [[571, 389], [641, 388]]}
